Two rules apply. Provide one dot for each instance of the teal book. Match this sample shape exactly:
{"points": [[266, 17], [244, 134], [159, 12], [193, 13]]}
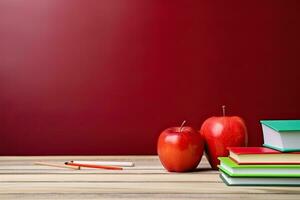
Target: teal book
{"points": [[282, 135], [231, 168]]}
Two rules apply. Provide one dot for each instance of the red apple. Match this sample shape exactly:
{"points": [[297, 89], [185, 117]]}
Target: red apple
{"points": [[222, 132], [180, 149]]}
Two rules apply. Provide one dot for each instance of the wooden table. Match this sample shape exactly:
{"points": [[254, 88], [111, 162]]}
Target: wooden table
{"points": [[21, 179]]}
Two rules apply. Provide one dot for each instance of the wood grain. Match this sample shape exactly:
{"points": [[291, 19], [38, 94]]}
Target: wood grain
{"points": [[20, 178]]}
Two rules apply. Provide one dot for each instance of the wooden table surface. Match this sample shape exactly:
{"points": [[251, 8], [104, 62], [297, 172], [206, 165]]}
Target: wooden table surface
{"points": [[21, 179]]}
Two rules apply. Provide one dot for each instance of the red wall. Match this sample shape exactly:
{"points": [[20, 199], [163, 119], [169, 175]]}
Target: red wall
{"points": [[106, 76]]}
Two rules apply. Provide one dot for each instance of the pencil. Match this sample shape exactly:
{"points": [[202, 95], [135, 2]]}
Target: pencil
{"points": [[106, 163], [56, 165], [94, 166]]}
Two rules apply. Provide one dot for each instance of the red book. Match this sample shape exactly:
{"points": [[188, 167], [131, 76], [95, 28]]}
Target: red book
{"points": [[262, 155]]}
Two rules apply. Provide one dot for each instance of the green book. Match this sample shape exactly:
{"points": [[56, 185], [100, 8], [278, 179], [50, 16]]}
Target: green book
{"points": [[232, 169], [282, 135], [259, 181]]}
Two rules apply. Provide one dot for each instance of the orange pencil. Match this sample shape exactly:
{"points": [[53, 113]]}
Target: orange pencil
{"points": [[94, 166]]}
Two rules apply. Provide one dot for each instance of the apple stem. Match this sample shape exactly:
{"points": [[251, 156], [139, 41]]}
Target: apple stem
{"points": [[223, 108], [181, 127]]}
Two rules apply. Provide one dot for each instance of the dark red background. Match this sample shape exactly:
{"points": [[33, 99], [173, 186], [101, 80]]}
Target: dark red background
{"points": [[107, 76]]}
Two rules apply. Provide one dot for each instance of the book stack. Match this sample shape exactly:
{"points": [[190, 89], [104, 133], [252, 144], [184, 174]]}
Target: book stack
{"points": [[277, 163]]}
